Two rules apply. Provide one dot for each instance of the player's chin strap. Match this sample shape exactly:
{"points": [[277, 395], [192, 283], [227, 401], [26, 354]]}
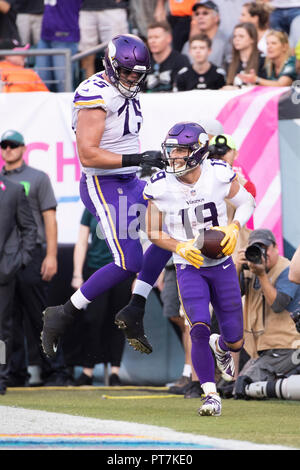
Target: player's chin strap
{"points": [[191, 160], [244, 203]]}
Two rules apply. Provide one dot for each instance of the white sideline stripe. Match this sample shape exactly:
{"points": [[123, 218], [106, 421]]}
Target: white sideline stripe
{"points": [[22, 421], [250, 116], [269, 199], [104, 220]]}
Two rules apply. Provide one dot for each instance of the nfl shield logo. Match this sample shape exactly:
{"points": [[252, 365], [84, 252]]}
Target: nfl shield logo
{"points": [[193, 192]]}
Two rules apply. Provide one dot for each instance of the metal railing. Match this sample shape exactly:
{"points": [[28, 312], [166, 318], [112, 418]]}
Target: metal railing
{"points": [[69, 60], [92, 50]]}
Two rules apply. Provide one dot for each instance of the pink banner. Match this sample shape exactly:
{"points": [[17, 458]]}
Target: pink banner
{"points": [[252, 119]]}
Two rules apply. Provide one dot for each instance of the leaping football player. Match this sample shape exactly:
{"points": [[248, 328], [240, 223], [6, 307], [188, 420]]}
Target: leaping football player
{"points": [[189, 197], [106, 119]]}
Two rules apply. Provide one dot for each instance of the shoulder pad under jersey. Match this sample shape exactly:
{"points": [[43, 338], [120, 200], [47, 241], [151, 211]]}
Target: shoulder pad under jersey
{"points": [[94, 92], [156, 186], [222, 170]]}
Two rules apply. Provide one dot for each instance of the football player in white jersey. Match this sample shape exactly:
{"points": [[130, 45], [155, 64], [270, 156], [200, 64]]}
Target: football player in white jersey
{"points": [[187, 198], [107, 118]]}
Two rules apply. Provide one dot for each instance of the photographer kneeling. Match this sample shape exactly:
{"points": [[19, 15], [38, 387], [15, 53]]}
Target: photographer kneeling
{"points": [[270, 305]]}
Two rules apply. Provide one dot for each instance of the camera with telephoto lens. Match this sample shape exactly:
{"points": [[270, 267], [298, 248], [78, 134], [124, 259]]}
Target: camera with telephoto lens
{"points": [[254, 253]]}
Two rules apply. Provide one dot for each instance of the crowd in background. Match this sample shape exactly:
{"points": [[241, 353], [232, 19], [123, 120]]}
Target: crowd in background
{"points": [[220, 44], [193, 44]]}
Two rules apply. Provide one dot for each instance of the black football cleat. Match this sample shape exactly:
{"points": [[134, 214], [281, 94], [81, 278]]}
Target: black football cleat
{"points": [[55, 320], [130, 320]]}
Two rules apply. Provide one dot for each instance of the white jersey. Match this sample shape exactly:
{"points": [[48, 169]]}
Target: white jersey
{"points": [[189, 209], [123, 119]]}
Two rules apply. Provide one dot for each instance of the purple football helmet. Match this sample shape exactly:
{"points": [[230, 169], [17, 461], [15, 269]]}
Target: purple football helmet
{"points": [[185, 147], [124, 54]]}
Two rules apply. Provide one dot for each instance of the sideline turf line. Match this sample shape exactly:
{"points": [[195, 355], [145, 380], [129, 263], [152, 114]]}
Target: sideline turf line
{"points": [[20, 428]]}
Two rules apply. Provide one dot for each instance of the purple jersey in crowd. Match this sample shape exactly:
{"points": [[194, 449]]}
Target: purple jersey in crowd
{"points": [[60, 21]]}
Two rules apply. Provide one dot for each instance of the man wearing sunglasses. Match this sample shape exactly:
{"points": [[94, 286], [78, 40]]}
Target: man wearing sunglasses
{"points": [[32, 282]]}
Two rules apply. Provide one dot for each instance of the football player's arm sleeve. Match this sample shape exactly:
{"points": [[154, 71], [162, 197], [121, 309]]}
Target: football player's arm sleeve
{"points": [[244, 203]]}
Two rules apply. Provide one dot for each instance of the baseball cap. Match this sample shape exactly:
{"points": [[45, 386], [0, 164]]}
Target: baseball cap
{"points": [[12, 44], [209, 4], [225, 139], [13, 136], [211, 126], [262, 235]]}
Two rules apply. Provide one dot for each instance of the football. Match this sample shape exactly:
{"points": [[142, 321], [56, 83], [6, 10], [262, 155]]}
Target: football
{"points": [[209, 243]]}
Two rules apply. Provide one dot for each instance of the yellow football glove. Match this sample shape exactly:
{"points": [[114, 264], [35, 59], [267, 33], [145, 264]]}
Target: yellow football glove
{"points": [[229, 241], [188, 251]]}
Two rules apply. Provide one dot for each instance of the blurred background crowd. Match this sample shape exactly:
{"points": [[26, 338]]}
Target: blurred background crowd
{"points": [[193, 44]]}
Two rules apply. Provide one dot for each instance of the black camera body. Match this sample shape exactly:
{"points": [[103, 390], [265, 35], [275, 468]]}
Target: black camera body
{"points": [[296, 317], [254, 253]]}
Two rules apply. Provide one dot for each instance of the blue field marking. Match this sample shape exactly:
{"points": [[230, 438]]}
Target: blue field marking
{"points": [[29, 442], [66, 199], [106, 445]]}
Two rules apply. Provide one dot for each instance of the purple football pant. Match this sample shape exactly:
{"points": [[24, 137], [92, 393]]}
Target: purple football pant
{"points": [[117, 202], [197, 288]]}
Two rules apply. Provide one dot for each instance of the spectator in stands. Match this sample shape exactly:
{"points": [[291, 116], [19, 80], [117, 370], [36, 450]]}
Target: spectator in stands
{"points": [[245, 55], [102, 340], [8, 15], [294, 32], [141, 14], [207, 21], [283, 14], [14, 77], [257, 13], [60, 30], [179, 17], [280, 65], [202, 74], [271, 338], [29, 20], [99, 22], [230, 11], [31, 283], [165, 61]]}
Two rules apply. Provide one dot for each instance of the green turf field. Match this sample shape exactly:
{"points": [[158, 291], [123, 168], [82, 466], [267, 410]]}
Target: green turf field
{"points": [[259, 421]]}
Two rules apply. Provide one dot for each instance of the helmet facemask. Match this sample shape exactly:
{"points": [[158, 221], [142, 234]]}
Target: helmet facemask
{"points": [[180, 159], [129, 88]]}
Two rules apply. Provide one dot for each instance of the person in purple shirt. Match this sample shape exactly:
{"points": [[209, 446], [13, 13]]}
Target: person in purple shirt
{"points": [[60, 30]]}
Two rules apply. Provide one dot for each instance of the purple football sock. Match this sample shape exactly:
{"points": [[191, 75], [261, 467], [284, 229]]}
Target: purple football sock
{"points": [[225, 348], [202, 357], [154, 261], [104, 279], [222, 345]]}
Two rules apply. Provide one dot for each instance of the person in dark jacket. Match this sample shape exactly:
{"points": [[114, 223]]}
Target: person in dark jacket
{"points": [[17, 242]]}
